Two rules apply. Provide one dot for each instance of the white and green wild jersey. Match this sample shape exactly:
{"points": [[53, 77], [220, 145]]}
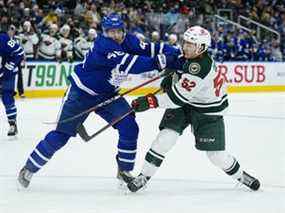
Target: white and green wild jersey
{"points": [[198, 84]]}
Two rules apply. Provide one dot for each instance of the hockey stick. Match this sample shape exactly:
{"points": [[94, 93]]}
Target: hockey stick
{"points": [[110, 100], [84, 135]]}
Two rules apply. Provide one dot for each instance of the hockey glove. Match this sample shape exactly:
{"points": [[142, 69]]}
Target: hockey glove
{"points": [[144, 103], [166, 83], [164, 60]]}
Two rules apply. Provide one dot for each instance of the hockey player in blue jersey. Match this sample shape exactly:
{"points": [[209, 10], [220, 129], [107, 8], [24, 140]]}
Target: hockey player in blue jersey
{"points": [[11, 55], [112, 57]]}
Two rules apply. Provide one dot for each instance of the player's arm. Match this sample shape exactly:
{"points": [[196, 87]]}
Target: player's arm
{"points": [[176, 95], [132, 64], [151, 49]]}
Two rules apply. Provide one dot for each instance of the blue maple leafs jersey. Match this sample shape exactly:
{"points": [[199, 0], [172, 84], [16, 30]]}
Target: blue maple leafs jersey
{"points": [[107, 64], [11, 54]]}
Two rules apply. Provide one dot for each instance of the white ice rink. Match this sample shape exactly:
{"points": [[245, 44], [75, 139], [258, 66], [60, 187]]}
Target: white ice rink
{"points": [[80, 177]]}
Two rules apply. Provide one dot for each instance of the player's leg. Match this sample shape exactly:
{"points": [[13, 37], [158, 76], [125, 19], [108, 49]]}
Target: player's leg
{"points": [[56, 139], [128, 134], [209, 133], [231, 167], [8, 100], [172, 125]]}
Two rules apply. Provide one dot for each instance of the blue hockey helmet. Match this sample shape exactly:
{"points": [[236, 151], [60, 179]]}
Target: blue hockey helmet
{"points": [[112, 21]]}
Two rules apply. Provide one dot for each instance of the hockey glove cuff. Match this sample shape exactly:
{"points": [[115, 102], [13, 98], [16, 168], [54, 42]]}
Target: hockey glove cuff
{"points": [[161, 61], [144, 103]]}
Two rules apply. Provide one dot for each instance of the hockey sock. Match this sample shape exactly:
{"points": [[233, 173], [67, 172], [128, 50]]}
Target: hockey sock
{"points": [[45, 149], [9, 103], [153, 160], [165, 140], [226, 162]]}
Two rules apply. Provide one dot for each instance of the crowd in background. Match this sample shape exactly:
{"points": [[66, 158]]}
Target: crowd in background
{"points": [[64, 30]]}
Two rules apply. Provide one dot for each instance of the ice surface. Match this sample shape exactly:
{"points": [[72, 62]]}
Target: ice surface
{"points": [[81, 176]]}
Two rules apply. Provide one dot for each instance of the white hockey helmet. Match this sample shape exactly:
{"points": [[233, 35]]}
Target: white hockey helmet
{"points": [[199, 36]]}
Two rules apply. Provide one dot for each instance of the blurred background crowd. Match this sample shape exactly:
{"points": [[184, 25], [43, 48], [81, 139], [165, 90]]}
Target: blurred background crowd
{"points": [[64, 30]]}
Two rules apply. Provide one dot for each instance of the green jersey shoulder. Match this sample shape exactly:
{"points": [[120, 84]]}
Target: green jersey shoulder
{"points": [[199, 67]]}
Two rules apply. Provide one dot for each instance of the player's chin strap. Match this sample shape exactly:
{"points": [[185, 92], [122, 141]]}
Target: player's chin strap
{"points": [[110, 100], [84, 135]]}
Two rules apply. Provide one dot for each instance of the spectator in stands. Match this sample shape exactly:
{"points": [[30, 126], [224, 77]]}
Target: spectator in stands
{"points": [[155, 37], [276, 52], [66, 48], [147, 16], [28, 40], [49, 48], [173, 40]]}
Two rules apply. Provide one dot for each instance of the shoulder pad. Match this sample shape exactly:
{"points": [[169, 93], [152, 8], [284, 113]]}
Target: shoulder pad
{"points": [[199, 67], [106, 45], [4, 37]]}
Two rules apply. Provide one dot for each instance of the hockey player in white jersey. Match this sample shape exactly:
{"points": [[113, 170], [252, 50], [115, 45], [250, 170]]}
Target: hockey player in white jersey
{"points": [[195, 96], [82, 44], [49, 48], [29, 40], [66, 46]]}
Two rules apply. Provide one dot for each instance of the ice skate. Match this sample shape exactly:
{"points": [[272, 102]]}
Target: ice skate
{"points": [[124, 177], [249, 181], [13, 130], [138, 183], [24, 177]]}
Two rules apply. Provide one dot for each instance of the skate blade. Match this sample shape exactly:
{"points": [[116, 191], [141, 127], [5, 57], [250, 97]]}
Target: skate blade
{"points": [[20, 187], [122, 187]]}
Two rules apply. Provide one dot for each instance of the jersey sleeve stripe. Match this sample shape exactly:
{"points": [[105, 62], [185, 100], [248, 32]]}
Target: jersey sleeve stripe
{"points": [[131, 63], [19, 48], [9, 66], [178, 94], [152, 49], [174, 97], [124, 59], [21, 53], [216, 103], [161, 48]]}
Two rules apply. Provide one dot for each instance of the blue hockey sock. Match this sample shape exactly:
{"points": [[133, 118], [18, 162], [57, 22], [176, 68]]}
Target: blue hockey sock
{"points": [[126, 154], [43, 152]]}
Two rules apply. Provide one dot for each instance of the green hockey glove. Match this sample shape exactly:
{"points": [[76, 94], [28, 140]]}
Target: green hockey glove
{"points": [[144, 103]]}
